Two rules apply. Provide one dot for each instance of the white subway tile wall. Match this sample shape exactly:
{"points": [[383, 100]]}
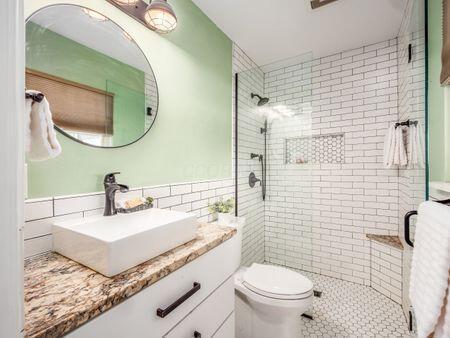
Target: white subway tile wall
{"points": [[411, 103], [250, 140], [42, 213], [386, 271], [151, 99], [317, 215]]}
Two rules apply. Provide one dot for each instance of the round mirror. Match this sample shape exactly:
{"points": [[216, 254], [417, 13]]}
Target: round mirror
{"points": [[100, 86]]}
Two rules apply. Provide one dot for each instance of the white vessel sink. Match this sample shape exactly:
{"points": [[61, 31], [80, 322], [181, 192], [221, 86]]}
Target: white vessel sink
{"points": [[113, 244]]}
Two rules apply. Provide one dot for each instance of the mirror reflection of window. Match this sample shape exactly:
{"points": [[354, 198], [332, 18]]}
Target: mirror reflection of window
{"points": [[98, 81], [99, 140]]}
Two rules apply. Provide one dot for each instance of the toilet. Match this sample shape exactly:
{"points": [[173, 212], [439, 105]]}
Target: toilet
{"points": [[269, 300]]}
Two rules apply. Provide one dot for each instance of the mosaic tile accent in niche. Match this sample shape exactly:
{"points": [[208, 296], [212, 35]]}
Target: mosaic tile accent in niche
{"points": [[323, 149]]}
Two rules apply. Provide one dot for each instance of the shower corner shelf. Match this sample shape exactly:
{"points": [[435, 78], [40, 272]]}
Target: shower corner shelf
{"points": [[320, 149], [391, 241]]}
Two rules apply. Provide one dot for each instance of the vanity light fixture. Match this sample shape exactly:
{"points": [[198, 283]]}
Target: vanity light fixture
{"points": [[127, 2], [158, 15], [94, 15]]}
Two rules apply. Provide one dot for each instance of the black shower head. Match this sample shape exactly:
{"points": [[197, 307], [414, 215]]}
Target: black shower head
{"points": [[261, 100]]}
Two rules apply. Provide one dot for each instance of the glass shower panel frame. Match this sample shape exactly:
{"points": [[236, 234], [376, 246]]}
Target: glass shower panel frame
{"points": [[283, 235], [249, 140], [412, 105]]}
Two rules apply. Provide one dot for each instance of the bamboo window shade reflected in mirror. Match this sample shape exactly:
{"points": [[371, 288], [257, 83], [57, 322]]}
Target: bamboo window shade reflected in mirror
{"points": [[445, 72], [75, 106]]}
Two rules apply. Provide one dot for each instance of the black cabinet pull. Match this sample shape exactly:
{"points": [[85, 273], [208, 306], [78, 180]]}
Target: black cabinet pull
{"points": [[197, 334], [164, 312], [407, 226]]}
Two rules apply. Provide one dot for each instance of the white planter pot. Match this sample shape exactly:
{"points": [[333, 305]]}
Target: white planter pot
{"points": [[225, 219]]}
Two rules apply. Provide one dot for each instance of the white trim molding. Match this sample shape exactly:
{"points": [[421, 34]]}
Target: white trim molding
{"points": [[12, 84]]}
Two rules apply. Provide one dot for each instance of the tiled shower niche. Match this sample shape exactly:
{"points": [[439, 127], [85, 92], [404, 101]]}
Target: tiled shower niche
{"points": [[322, 149]]}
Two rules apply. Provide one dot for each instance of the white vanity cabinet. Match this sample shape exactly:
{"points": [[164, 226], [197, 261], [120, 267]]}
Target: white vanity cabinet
{"points": [[201, 294]]}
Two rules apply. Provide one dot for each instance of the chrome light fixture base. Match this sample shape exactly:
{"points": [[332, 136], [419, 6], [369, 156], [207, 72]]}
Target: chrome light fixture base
{"points": [[153, 16]]}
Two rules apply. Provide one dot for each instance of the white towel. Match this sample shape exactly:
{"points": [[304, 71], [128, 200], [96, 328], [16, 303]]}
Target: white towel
{"points": [[443, 325], [430, 270], [415, 147], [400, 157], [389, 147], [41, 142]]}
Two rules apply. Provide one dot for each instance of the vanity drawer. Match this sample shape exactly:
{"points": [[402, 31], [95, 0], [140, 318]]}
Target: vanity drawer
{"points": [[227, 328], [208, 317], [137, 316]]}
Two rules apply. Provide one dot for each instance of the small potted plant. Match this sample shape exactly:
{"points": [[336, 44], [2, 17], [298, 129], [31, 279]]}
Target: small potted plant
{"points": [[223, 210]]}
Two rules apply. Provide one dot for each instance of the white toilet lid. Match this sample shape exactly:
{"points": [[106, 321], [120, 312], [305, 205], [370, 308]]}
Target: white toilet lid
{"points": [[276, 282]]}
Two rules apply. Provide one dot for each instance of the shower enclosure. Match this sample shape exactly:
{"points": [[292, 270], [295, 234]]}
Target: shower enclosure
{"points": [[309, 172]]}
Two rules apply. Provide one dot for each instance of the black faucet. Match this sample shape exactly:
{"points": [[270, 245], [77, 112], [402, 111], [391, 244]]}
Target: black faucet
{"points": [[111, 186]]}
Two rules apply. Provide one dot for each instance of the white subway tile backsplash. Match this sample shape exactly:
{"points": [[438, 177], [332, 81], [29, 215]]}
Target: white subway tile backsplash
{"points": [[157, 192], [191, 197], [43, 227], [71, 205], [168, 202], [37, 209], [40, 215], [200, 186], [37, 245], [180, 189]]}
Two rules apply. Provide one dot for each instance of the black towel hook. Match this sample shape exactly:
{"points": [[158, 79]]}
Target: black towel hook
{"points": [[406, 123], [36, 97]]}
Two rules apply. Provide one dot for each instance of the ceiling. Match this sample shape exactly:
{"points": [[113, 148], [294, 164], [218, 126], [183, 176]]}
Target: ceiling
{"points": [[105, 37], [271, 30]]}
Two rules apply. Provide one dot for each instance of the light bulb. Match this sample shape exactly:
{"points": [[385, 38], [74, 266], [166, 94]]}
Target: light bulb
{"points": [[160, 16], [127, 2]]}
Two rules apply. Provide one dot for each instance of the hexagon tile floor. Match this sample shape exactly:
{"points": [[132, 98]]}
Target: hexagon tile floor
{"points": [[352, 310]]}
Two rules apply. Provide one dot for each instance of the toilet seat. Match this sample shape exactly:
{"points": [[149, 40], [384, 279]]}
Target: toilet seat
{"points": [[276, 282]]}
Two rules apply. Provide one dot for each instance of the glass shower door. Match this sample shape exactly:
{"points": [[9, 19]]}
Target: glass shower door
{"points": [[290, 163], [249, 150], [275, 152]]}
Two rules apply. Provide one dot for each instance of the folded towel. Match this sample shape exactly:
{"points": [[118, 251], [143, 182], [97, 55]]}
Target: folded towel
{"points": [[389, 147], [443, 325], [415, 147], [430, 270], [400, 158], [41, 142]]}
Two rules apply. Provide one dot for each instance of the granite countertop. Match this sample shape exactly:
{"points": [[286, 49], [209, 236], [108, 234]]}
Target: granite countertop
{"points": [[392, 241], [61, 295]]}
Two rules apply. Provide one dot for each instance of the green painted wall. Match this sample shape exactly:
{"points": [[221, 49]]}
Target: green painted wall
{"points": [[57, 55], [439, 150], [191, 138], [129, 112]]}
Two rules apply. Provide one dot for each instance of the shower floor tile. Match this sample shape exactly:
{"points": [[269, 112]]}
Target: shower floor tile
{"points": [[351, 310]]}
